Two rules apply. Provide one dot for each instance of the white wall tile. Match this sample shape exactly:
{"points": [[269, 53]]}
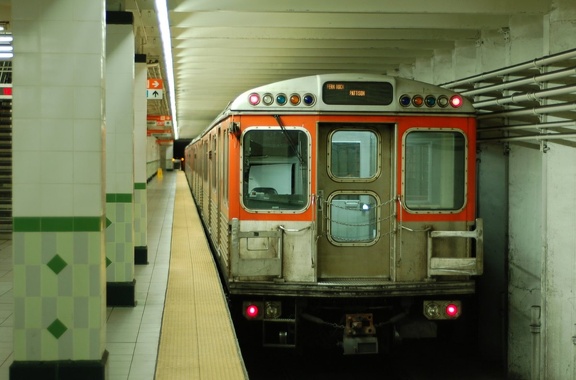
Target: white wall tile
{"points": [[88, 103], [57, 134], [26, 167], [25, 199], [57, 168], [56, 101], [87, 168], [25, 136], [88, 135], [87, 200], [26, 102], [57, 199]]}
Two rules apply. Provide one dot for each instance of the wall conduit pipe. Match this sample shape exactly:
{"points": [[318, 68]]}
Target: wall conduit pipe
{"points": [[535, 330], [544, 61]]}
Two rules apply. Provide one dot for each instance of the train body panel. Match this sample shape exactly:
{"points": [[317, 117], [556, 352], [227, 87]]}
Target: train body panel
{"points": [[342, 188]]}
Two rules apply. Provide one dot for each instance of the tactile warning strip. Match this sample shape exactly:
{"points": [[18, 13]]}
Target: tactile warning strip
{"points": [[197, 339]]}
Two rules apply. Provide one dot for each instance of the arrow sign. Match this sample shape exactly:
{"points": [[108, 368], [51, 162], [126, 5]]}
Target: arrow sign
{"points": [[155, 84], [154, 94]]}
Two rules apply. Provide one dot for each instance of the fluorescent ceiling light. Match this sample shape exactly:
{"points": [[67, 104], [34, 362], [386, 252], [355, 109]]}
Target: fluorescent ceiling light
{"points": [[163, 21]]}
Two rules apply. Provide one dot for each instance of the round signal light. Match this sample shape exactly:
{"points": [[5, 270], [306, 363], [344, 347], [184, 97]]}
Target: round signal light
{"points": [[254, 99], [309, 99], [295, 99], [252, 311], [442, 101], [430, 101], [405, 100], [417, 100], [267, 99], [452, 310], [456, 101], [281, 99]]}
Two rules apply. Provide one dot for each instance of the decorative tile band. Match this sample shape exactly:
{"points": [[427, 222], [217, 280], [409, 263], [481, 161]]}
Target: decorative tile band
{"points": [[140, 186], [118, 198], [57, 224]]}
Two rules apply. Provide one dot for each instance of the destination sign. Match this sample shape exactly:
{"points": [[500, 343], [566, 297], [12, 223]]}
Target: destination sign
{"points": [[358, 93]]}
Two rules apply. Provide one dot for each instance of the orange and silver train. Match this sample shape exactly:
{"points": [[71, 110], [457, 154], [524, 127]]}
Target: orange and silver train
{"points": [[341, 209]]}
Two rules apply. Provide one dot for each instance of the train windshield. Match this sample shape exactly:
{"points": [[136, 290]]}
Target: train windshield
{"points": [[275, 169], [435, 170]]}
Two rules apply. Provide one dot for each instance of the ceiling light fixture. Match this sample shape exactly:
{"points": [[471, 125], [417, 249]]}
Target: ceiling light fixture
{"points": [[164, 23]]}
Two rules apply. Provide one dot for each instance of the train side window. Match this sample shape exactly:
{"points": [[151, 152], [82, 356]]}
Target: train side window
{"points": [[353, 155], [275, 169], [353, 218], [434, 170]]}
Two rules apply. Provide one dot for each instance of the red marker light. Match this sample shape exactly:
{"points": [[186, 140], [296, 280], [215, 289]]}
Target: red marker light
{"points": [[254, 99], [456, 101], [7, 90], [252, 311], [452, 310]]}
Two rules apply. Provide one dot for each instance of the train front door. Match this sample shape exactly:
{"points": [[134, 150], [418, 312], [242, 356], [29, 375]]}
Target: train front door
{"points": [[355, 204]]}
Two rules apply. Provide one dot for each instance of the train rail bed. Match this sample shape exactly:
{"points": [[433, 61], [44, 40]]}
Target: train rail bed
{"points": [[197, 338]]}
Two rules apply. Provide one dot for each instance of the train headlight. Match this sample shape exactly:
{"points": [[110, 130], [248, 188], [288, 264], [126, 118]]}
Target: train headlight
{"points": [[281, 99], [256, 310], [405, 100], [295, 99], [430, 101], [309, 99], [252, 310], [442, 101], [417, 100], [456, 101], [254, 99], [267, 99], [436, 310], [272, 309]]}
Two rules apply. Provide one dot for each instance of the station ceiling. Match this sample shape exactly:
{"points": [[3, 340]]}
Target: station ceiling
{"points": [[222, 48]]}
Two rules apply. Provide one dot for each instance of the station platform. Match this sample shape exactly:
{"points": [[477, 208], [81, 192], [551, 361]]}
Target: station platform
{"points": [[180, 327]]}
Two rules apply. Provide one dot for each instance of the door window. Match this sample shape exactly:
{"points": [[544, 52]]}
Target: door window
{"points": [[353, 218], [353, 155]]}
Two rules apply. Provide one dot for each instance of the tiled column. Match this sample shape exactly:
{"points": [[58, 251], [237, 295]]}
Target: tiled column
{"points": [[140, 193], [120, 159], [58, 190]]}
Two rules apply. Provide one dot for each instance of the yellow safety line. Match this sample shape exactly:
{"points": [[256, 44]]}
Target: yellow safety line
{"points": [[197, 339]]}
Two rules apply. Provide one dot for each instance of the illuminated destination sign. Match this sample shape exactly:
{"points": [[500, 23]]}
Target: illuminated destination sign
{"points": [[357, 93]]}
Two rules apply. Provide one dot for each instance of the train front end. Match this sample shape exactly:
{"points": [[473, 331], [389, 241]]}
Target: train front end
{"points": [[350, 210]]}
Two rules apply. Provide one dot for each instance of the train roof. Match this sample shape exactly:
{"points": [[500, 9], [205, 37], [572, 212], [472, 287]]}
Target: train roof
{"points": [[346, 92]]}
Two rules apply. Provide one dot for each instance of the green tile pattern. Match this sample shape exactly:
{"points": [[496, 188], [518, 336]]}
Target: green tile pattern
{"points": [[140, 215], [57, 224], [57, 264], [120, 242], [59, 316], [57, 328]]}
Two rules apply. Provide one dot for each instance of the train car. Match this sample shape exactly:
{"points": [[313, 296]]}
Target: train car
{"points": [[341, 209]]}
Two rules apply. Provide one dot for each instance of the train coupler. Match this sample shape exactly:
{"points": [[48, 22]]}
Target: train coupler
{"points": [[360, 335]]}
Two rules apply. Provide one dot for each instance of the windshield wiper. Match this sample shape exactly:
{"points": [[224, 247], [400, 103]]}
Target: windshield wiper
{"points": [[289, 139]]}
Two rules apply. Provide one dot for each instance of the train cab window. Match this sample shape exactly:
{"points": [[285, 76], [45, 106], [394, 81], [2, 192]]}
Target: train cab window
{"points": [[353, 155], [353, 218], [434, 170], [275, 169]]}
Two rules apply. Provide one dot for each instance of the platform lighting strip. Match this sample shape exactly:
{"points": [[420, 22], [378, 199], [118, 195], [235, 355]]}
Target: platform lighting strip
{"points": [[6, 49], [163, 21]]}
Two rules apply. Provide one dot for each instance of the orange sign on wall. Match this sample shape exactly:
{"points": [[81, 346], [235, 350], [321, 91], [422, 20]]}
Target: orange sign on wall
{"points": [[155, 84]]}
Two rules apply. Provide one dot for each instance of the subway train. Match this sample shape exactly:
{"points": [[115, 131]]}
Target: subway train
{"points": [[341, 210]]}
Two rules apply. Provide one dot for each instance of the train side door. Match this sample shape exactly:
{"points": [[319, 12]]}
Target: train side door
{"points": [[355, 207]]}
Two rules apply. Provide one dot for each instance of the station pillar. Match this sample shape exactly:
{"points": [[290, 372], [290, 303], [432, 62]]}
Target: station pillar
{"points": [[140, 159], [58, 190], [120, 52]]}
